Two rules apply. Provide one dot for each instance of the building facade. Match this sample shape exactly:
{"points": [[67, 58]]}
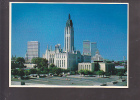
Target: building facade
{"points": [[69, 36], [86, 47], [33, 50], [106, 67], [85, 66], [93, 48], [68, 58]]}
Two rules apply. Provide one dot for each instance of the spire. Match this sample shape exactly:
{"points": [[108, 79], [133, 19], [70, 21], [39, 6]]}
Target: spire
{"points": [[47, 47], [69, 16]]}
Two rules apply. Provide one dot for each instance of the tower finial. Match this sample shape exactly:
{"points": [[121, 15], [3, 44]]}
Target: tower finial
{"points": [[69, 16]]}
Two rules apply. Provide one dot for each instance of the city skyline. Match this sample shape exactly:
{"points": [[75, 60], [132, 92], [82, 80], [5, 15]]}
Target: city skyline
{"points": [[50, 30]]}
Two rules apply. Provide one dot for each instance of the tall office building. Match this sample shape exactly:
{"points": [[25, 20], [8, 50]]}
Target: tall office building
{"points": [[69, 36], [93, 48], [86, 47], [33, 50], [68, 58]]}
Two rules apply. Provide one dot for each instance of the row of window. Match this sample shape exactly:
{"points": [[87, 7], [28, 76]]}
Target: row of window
{"points": [[60, 63], [32, 47], [52, 56], [86, 67], [59, 56]]}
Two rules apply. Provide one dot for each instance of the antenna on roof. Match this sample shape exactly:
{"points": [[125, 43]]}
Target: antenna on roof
{"points": [[69, 16]]}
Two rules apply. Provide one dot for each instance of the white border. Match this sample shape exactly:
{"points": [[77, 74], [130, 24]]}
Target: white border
{"points": [[58, 86]]}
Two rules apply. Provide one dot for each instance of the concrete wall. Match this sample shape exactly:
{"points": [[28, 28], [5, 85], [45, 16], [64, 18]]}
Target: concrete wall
{"points": [[102, 66]]}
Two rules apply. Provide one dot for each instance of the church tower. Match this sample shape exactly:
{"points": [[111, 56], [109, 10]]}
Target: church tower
{"points": [[69, 36]]}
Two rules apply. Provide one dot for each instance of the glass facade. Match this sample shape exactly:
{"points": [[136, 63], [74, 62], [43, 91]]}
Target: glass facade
{"points": [[93, 48], [33, 49], [86, 47]]}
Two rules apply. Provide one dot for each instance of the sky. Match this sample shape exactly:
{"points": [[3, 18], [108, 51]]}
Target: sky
{"points": [[105, 24]]}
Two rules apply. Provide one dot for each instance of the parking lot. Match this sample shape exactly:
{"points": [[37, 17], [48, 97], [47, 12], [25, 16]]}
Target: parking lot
{"points": [[72, 80]]}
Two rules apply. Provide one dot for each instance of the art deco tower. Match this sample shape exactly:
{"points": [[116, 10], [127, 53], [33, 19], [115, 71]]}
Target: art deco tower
{"points": [[69, 36]]}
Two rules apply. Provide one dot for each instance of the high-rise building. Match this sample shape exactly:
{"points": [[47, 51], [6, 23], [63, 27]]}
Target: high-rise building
{"points": [[93, 48], [68, 58], [33, 50], [69, 36], [86, 47]]}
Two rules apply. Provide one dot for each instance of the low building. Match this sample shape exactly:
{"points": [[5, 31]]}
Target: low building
{"points": [[30, 65], [106, 67], [86, 66], [119, 67]]}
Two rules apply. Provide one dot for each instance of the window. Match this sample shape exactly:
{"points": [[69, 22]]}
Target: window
{"points": [[60, 63], [64, 63], [67, 42]]}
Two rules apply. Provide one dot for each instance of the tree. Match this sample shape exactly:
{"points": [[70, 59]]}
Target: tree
{"points": [[26, 72], [81, 72], [45, 71], [97, 67], [58, 71], [14, 72], [14, 65], [86, 72], [90, 73], [107, 74], [101, 72], [33, 71], [20, 60], [41, 62], [21, 73], [120, 74], [18, 63], [65, 70], [52, 65]]}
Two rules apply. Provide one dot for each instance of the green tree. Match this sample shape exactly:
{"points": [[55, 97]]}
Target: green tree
{"points": [[107, 74], [20, 60], [33, 71], [41, 62], [14, 65], [97, 66], [45, 71], [120, 74], [81, 72], [52, 65], [21, 73], [14, 72], [86, 72], [90, 73], [58, 71], [26, 72], [101, 72]]}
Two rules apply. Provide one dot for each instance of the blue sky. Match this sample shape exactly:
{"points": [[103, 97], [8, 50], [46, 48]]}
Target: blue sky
{"points": [[105, 24]]}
